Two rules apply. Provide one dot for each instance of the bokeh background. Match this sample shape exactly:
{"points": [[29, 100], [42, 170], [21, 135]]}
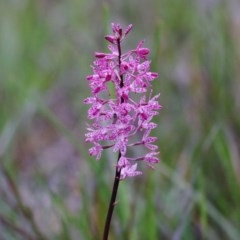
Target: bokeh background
{"points": [[49, 186]]}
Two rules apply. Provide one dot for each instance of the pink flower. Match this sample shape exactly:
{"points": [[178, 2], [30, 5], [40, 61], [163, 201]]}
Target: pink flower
{"points": [[117, 118], [96, 151], [127, 169], [151, 158]]}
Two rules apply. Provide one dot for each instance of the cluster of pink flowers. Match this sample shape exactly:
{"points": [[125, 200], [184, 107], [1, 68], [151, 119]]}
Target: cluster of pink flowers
{"points": [[120, 108]]}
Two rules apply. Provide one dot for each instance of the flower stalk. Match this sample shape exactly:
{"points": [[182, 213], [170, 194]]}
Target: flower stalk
{"points": [[117, 118], [112, 202]]}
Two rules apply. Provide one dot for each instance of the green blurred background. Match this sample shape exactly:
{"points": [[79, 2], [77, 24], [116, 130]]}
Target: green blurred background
{"points": [[49, 186]]}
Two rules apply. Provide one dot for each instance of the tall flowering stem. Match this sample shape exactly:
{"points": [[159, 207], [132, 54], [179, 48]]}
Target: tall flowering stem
{"points": [[112, 201], [122, 109]]}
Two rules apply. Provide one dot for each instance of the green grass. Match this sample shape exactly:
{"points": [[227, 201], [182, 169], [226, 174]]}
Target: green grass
{"points": [[46, 48]]}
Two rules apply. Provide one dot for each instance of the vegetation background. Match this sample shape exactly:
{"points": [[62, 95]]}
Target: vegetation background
{"points": [[49, 186]]}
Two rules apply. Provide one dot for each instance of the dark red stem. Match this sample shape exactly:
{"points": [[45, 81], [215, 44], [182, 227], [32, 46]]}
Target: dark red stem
{"points": [[118, 170], [120, 61], [112, 201]]}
